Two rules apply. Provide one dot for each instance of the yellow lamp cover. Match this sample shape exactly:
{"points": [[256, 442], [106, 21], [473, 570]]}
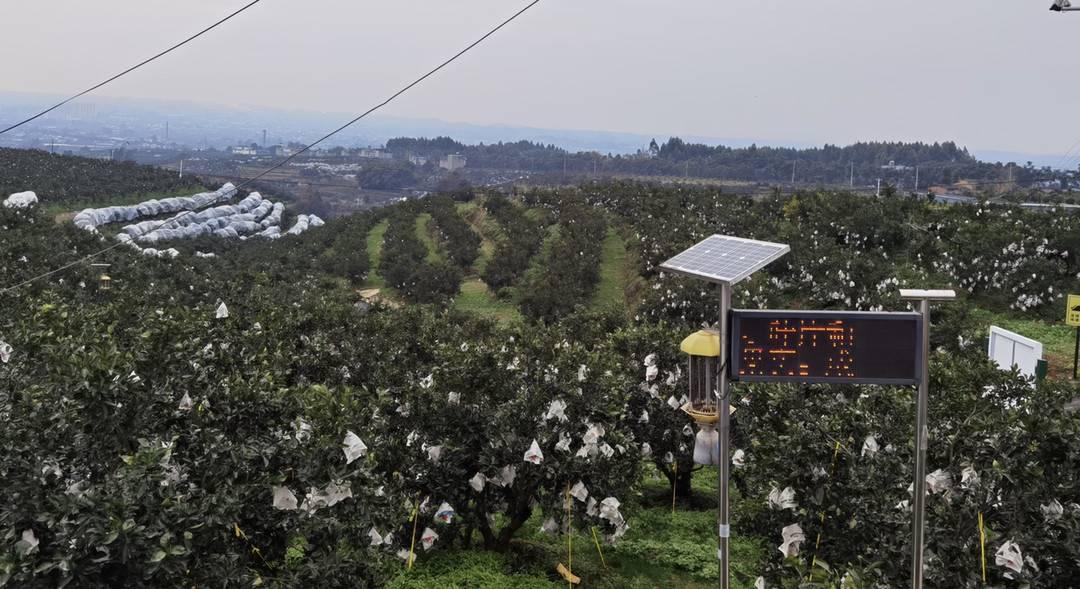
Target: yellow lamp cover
{"points": [[702, 343]]}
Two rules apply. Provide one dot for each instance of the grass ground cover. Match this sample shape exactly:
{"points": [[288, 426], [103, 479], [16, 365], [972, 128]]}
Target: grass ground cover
{"points": [[486, 227], [1057, 338], [374, 248], [614, 274], [475, 296], [424, 232], [662, 549]]}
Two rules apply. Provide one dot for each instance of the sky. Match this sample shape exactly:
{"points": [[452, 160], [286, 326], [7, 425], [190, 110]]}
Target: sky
{"points": [[989, 74]]}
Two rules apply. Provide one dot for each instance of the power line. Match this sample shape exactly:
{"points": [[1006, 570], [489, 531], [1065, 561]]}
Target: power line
{"points": [[132, 68], [305, 149]]}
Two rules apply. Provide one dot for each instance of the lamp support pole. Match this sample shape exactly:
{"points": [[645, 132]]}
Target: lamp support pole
{"points": [[919, 501], [724, 431]]}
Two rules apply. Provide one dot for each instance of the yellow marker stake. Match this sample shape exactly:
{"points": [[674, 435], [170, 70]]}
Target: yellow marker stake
{"points": [[674, 484], [569, 535], [569, 539], [412, 546], [982, 545], [598, 549], [821, 522], [1072, 319]]}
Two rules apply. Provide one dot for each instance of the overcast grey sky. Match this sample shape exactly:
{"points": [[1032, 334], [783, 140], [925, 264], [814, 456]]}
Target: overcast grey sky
{"points": [[990, 74]]}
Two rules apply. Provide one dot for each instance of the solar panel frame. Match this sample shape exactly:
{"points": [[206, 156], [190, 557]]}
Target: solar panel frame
{"points": [[714, 258]]}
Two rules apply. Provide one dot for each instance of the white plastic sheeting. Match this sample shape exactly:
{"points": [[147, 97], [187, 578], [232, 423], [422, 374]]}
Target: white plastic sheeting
{"points": [[274, 218], [91, 219], [195, 216], [21, 200], [305, 222], [228, 221], [169, 253], [272, 232]]}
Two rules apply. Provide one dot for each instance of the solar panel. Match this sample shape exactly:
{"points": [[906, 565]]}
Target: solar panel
{"points": [[725, 259]]}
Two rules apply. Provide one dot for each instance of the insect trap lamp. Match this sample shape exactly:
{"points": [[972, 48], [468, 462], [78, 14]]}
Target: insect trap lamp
{"points": [[703, 351]]}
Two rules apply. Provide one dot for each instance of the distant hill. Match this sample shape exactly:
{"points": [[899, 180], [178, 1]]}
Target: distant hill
{"points": [[861, 163], [61, 179]]}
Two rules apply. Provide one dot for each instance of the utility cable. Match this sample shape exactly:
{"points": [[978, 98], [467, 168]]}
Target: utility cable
{"points": [[305, 149], [132, 68]]}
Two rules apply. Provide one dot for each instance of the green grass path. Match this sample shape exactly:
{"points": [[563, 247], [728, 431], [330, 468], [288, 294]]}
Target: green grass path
{"points": [[425, 233], [1057, 338], [374, 248], [611, 290], [475, 296]]}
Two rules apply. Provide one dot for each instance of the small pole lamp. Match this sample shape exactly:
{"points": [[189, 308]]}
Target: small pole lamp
{"points": [[703, 349], [723, 260], [104, 281]]}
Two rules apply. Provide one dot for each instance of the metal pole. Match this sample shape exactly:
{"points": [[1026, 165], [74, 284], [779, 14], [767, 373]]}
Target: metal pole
{"points": [[1076, 353], [919, 502], [724, 422]]}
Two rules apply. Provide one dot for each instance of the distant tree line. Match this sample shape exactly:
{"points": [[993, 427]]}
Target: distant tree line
{"points": [[387, 175], [861, 163]]}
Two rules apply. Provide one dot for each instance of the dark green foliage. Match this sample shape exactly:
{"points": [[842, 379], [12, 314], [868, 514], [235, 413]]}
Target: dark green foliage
{"points": [[850, 251], [391, 175], [456, 187], [571, 268], [458, 240], [438, 145], [829, 164], [404, 266], [69, 179], [123, 486], [503, 382], [1016, 441], [653, 420], [523, 239]]}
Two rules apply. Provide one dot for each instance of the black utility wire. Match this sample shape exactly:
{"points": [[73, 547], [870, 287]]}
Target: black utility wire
{"points": [[293, 156], [132, 68]]}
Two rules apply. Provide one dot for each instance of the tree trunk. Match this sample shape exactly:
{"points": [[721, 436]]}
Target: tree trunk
{"points": [[519, 514], [484, 525], [684, 483], [682, 480]]}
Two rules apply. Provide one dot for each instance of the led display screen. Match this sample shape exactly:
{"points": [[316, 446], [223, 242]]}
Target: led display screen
{"points": [[825, 346]]}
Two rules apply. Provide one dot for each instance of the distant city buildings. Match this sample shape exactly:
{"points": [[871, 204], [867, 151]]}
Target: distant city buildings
{"points": [[244, 150], [376, 154], [453, 162], [892, 166], [418, 160], [283, 151]]}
